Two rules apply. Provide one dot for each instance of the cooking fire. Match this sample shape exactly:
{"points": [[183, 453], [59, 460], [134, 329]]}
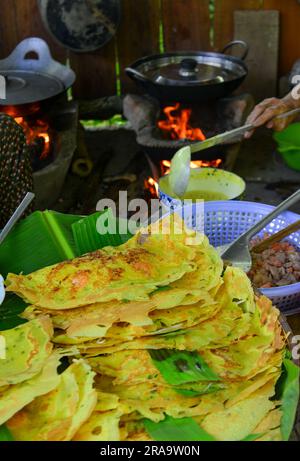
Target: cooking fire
{"points": [[36, 129], [36, 135], [151, 184], [177, 125], [165, 165]]}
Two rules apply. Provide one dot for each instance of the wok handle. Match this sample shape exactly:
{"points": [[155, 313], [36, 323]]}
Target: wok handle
{"points": [[18, 59], [238, 43], [136, 75]]}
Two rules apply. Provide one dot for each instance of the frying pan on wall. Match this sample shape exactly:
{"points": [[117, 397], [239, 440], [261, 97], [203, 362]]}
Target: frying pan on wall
{"points": [[81, 25]]}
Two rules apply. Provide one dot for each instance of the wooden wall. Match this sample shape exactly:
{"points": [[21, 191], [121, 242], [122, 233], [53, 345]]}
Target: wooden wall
{"points": [[186, 24]]}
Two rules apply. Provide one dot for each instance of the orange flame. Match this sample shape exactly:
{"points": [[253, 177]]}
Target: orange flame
{"points": [[177, 124], [34, 127], [152, 186], [21, 110], [38, 130], [166, 164]]}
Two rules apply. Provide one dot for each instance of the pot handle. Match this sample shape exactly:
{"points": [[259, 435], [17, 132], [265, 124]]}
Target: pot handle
{"points": [[18, 58], [136, 75], [239, 43]]}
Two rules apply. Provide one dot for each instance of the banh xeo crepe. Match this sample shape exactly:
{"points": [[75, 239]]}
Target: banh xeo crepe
{"points": [[170, 294], [58, 414], [14, 398], [101, 316], [27, 347], [125, 273], [30, 366], [223, 319], [116, 413]]}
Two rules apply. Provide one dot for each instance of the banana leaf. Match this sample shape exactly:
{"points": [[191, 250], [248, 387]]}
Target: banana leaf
{"points": [[42, 239], [177, 430], [48, 237], [252, 437], [10, 309], [210, 388], [5, 435], [182, 367], [288, 392], [183, 430], [98, 230]]}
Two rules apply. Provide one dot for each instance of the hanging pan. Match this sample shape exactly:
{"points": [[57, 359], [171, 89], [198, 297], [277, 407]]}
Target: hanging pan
{"points": [[81, 25]]}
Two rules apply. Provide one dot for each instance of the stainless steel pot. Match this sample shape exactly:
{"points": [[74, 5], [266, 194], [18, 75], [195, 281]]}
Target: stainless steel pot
{"points": [[29, 80], [190, 76]]}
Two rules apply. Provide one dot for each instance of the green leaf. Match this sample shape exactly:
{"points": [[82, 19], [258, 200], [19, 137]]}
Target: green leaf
{"points": [[99, 230], [5, 435], [177, 430], [209, 388], [252, 437], [10, 309], [288, 354], [183, 430], [40, 240], [290, 398], [180, 367]]}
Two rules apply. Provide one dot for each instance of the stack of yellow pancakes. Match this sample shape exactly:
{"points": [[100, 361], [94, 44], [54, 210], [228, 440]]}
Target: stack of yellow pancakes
{"points": [[165, 290]]}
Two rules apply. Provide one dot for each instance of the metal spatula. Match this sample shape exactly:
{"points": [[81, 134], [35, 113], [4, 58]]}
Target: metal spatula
{"points": [[238, 253], [180, 165]]}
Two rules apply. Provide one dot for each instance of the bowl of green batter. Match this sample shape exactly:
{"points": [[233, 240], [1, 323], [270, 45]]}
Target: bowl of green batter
{"points": [[207, 184]]}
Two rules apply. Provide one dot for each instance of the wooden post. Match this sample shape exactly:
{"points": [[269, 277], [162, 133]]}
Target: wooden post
{"points": [[260, 29], [289, 33]]}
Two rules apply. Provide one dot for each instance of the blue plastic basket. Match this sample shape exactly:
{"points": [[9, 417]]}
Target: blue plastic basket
{"points": [[225, 221]]}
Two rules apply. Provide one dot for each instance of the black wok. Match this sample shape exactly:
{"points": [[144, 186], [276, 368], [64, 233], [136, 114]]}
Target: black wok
{"points": [[190, 76]]}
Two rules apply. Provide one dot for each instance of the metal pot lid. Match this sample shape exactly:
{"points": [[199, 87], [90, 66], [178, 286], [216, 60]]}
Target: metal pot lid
{"points": [[28, 79], [202, 69], [27, 87]]}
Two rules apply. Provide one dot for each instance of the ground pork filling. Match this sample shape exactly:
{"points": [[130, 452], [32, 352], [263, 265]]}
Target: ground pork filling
{"points": [[276, 266]]}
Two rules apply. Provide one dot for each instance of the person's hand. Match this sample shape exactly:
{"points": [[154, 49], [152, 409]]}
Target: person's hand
{"points": [[265, 112]]}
